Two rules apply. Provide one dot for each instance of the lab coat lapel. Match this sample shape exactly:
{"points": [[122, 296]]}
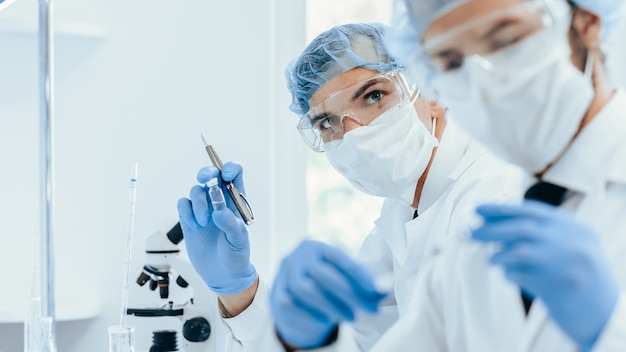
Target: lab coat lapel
{"points": [[391, 226], [419, 233], [536, 319], [404, 235]]}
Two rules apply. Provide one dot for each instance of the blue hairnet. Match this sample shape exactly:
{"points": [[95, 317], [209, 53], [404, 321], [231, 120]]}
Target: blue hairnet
{"points": [[421, 13], [403, 39], [332, 53]]}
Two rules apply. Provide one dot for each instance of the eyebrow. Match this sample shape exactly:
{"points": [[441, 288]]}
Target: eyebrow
{"points": [[318, 117], [500, 26], [364, 88], [444, 54]]}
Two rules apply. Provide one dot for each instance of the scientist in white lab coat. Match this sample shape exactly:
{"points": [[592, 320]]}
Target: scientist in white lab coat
{"points": [[527, 78], [355, 105]]}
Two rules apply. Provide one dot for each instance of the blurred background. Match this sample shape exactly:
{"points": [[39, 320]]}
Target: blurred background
{"points": [[139, 82]]}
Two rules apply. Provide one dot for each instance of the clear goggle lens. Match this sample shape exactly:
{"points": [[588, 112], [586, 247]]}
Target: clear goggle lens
{"points": [[491, 32], [361, 102]]}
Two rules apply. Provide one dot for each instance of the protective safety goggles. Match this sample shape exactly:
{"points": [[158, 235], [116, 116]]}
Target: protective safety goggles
{"points": [[477, 38], [361, 102]]}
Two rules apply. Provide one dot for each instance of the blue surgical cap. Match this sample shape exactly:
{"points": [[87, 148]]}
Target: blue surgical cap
{"points": [[421, 13], [332, 53]]}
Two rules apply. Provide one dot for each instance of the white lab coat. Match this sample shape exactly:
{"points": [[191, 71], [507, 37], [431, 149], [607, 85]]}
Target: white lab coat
{"points": [[462, 175], [454, 307]]}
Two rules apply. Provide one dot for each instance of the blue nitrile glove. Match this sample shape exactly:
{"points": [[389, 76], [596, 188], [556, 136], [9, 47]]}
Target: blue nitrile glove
{"points": [[317, 287], [554, 257], [217, 241]]}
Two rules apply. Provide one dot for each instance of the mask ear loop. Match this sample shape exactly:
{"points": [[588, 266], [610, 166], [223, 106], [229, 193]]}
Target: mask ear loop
{"points": [[415, 96], [588, 72], [433, 118]]}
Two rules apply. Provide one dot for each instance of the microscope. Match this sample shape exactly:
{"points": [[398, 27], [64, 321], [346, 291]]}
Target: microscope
{"points": [[164, 266]]}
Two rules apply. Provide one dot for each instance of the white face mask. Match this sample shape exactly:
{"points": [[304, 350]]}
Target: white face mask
{"points": [[387, 157], [529, 102]]}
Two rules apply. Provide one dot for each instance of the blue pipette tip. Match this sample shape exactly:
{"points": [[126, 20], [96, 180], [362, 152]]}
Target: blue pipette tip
{"points": [[203, 140], [133, 178]]}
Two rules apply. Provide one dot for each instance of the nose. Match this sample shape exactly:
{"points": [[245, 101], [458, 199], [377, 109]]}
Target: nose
{"points": [[350, 123]]}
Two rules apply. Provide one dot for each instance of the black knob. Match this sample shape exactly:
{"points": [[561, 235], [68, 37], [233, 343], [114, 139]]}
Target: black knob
{"points": [[197, 329], [143, 278], [175, 235], [164, 287], [163, 341], [181, 282]]}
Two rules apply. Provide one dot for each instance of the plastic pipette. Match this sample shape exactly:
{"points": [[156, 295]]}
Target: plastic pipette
{"points": [[129, 244]]}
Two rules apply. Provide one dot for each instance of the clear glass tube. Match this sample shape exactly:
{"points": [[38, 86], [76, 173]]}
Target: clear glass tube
{"points": [[128, 248], [121, 338], [47, 335]]}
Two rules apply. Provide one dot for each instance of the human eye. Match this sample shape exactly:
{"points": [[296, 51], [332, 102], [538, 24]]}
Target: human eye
{"points": [[447, 60], [454, 64], [327, 123], [453, 61], [374, 96]]}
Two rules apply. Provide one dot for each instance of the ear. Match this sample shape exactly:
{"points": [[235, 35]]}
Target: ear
{"points": [[588, 26], [436, 110]]}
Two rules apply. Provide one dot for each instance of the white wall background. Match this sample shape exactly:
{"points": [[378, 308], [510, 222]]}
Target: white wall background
{"points": [[616, 57], [138, 81]]}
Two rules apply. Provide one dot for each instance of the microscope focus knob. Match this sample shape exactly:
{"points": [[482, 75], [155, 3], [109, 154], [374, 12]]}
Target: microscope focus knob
{"points": [[181, 282], [197, 329]]}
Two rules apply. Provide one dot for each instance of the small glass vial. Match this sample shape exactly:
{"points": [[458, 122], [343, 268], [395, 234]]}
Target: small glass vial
{"points": [[121, 338], [216, 194]]}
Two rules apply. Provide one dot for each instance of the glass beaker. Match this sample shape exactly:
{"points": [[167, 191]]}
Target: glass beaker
{"points": [[121, 338]]}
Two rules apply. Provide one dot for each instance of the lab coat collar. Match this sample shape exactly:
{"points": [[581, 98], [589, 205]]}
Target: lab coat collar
{"points": [[445, 166], [596, 155], [454, 156]]}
